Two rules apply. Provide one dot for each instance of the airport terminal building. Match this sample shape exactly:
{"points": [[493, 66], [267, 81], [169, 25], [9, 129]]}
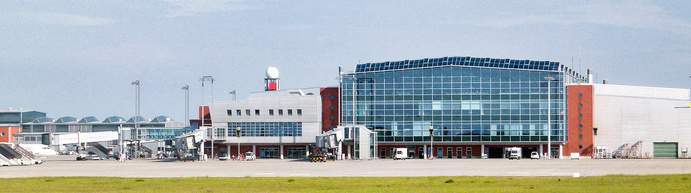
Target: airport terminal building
{"points": [[474, 106], [43, 130]]}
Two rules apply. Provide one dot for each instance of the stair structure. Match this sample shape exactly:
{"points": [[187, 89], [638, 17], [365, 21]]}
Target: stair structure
{"points": [[620, 152], [635, 151], [99, 150]]}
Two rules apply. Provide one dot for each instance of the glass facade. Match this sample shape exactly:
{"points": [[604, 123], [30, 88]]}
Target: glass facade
{"points": [[483, 100], [265, 129]]}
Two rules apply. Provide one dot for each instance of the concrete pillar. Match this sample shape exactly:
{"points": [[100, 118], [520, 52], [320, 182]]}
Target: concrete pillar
{"points": [[280, 148], [254, 150], [348, 154], [228, 149], [541, 150], [202, 156], [561, 151], [424, 151], [482, 151], [307, 150]]}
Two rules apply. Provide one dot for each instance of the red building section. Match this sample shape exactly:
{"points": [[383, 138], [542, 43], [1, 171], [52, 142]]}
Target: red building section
{"points": [[329, 108], [6, 135], [580, 120], [204, 115]]}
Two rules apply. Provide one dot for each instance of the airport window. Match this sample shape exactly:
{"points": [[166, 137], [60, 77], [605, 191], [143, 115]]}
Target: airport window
{"points": [[465, 103], [239, 112], [265, 129], [271, 112], [299, 112], [247, 112], [280, 112], [290, 112], [256, 112], [229, 112]]}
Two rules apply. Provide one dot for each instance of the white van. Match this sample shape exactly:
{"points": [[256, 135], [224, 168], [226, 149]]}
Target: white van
{"points": [[401, 154], [515, 153]]}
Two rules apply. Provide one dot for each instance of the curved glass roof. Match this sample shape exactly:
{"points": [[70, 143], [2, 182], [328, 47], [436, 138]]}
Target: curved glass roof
{"points": [[137, 119], [43, 120], [114, 119], [89, 119], [161, 119], [66, 119]]}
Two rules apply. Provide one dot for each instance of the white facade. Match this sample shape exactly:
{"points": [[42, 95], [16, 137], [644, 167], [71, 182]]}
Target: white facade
{"points": [[309, 104], [628, 114]]}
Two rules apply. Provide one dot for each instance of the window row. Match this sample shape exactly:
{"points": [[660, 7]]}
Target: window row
{"points": [[270, 112]]}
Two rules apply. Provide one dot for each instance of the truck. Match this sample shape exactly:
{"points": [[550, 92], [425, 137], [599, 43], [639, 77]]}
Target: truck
{"points": [[515, 153], [401, 154]]}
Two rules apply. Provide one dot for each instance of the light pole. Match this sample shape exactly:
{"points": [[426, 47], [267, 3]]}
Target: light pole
{"points": [[210, 79], [137, 107], [186, 88], [431, 141], [235, 95], [549, 80], [237, 134]]}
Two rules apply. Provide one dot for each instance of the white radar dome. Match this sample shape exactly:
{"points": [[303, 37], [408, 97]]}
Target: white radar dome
{"points": [[272, 73]]}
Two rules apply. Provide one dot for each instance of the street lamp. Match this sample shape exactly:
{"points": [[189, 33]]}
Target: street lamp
{"points": [[235, 95], [549, 80], [237, 133], [137, 107], [431, 141], [186, 88]]}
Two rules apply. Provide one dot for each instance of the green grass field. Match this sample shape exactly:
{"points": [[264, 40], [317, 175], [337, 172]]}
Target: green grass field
{"points": [[605, 184]]}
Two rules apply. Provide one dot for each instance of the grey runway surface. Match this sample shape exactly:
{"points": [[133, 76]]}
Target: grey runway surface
{"points": [[376, 168]]}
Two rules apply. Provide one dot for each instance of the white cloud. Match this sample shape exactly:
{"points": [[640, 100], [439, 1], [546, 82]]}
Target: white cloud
{"points": [[630, 14], [198, 7], [71, 19]]}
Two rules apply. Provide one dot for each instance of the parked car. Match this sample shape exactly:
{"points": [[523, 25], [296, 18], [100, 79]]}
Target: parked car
{"points": [[224, 157], [89, 156], [534, 155], [249, 156]]}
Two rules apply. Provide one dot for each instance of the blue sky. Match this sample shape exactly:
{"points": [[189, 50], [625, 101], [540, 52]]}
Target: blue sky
{"points": [[78, 57]]}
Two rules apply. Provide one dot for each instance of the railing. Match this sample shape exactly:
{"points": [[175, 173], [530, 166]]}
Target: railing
{"points": [[7, 151], [24, 152]]}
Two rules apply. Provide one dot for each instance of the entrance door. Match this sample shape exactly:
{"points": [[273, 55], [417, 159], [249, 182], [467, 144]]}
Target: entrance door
{"points": [[296, 152], [449, 152], [469, 152], [268, 152], [665, 150], [440, 152], [459, 153], [421, 153]]}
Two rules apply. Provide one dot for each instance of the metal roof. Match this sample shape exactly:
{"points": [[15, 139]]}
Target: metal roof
{"points": [[464, 61]]}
